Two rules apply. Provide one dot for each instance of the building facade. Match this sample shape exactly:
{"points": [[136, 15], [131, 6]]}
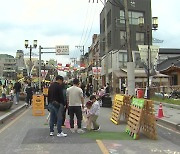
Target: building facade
{"points": [[94, 66], [8, 68], [113, 48]]}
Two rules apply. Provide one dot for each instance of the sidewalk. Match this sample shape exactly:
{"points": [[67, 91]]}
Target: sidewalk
{"points": [[4, 115], [171, 115]]}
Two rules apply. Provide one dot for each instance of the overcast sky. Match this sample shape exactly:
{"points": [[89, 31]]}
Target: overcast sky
{"points": [[70, 22]]}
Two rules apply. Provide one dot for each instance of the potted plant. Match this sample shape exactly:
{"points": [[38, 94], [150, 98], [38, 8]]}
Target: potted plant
{"points": [[5, 104], [22, 96]]}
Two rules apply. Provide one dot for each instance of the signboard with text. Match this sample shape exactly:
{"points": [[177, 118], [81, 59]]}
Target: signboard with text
{"points": [[96, 70], [62, 50]]}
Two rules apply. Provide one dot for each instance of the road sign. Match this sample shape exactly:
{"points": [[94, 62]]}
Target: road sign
{"points": [[62, 50]]}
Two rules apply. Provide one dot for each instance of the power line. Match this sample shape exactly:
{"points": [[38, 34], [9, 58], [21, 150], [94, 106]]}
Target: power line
{"points": [[86, 17], [88, 23], [90, 28]]}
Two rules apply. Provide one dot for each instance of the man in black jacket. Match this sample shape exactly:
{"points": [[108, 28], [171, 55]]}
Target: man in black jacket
{"points": [[17, 89], [56, 105]]}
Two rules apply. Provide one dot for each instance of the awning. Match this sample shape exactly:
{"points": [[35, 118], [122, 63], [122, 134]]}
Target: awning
{"points": [[138, 73], [120, 73], [123, 73]]}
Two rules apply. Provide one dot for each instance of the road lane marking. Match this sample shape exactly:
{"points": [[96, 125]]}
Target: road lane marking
{"points": [[102, 147], [12, 122], [169, 129]]}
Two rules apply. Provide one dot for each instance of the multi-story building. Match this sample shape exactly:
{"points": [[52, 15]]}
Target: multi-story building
{"points": [[21, 68], [113, 48], [8, 66], [94, 62]]}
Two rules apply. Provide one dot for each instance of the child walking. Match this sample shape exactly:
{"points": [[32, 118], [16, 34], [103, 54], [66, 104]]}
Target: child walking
{"points": [[93, 114]]}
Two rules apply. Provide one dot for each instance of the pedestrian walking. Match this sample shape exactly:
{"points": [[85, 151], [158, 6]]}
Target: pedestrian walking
{"points": [[87, 90], [29, 94], [4, 91], [93, 114], [56, 106], [107, 89], [75, 101], [0, 82], [66, 105], [17, 89]]}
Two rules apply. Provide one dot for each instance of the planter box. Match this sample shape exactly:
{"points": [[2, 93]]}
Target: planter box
{"points": [[5, 105], [22, 96]]}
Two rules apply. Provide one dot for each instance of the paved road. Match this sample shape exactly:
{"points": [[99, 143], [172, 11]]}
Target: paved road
{"points": [[27, 134]]}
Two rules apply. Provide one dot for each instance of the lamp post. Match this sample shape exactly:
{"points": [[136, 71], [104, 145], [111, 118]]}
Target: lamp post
{"points": [[30, 47], [148, 30]]}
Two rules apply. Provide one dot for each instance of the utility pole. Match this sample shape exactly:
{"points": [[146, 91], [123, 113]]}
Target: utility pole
{"points": [[130, 63], [40, 68], [74, 60], [81, 48]]}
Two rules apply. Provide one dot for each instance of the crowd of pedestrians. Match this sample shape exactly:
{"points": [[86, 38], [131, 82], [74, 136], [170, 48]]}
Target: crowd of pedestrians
{"points": [[70, 97], [63, 97]]}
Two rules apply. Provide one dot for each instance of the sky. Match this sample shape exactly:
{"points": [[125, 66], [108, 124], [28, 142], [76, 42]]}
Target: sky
{"points": [[70, 22]]}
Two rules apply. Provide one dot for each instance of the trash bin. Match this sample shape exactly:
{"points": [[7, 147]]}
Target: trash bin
{"points": [[106, 101], [140, 93]]}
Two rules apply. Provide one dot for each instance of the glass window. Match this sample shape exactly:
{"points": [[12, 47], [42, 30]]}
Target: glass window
{"points": [[103, 28], [109, 38], [133, 17], [122, 38], [122, 59], [122, 19], [109, 18], [139, 38]]}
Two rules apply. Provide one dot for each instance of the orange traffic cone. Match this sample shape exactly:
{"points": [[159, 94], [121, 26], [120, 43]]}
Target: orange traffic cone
{"points": [[160, 111]]}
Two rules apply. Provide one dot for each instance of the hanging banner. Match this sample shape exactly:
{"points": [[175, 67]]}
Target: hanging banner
{"points": [[96, 70], [143, 50], [44, 73]]}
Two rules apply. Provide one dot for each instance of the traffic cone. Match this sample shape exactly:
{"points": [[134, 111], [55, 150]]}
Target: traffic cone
{"points": [[160, 111]]}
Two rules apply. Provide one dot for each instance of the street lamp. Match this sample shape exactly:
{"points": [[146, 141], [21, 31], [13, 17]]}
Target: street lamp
{"points": [[30, 47], [148, 29]]}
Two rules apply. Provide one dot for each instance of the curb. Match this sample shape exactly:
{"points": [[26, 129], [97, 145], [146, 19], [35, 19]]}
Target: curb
{"points": [[11, 113], [168, 105], [168, 123]]}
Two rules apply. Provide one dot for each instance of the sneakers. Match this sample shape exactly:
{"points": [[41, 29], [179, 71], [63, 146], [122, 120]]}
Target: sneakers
{"points": [[26, 104], [61, 134], [72, 130], [16, 103], [97, 129], [51, 134], [58, 135], [80, 131]]}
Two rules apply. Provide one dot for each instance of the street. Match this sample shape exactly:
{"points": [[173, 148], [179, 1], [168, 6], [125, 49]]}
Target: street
{"points": [[27, 134]]}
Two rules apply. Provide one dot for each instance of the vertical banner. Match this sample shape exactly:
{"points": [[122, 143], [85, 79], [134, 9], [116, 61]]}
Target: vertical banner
{"points": [[143, 50], [44, 73]]}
